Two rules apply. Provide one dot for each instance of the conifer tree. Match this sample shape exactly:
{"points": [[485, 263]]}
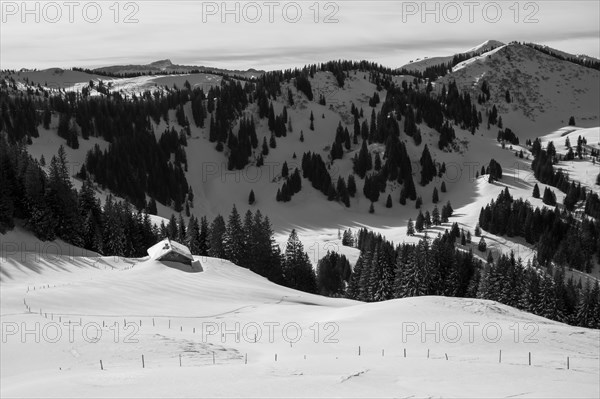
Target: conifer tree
{"points": [[204, 244], [435, 216], [297, 271], [233, 240], [193, 236], [216, 236], [351, 186], [419, 202], [410, 228], [420, 222], [181, 231], [482, 246], [435, 197]]}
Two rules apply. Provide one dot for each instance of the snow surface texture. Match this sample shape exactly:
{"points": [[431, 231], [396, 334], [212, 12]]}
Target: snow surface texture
{"points": [[338, 347]]}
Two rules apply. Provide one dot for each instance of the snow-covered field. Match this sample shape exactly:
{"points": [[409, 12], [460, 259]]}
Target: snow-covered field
{"points": [[64, 314]]}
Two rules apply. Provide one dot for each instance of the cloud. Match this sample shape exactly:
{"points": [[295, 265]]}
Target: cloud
{"points": [[374, 30]]}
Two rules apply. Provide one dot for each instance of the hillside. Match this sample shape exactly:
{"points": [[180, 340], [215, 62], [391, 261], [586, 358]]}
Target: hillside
{"points": [[419, 65], [173, 313], [544, 90], [217, 189]]}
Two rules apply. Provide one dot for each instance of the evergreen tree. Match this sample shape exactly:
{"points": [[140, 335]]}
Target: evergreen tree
{"points": [[420, 222], [435, 198], [193, 236], [482, 246], [203, 239], [419, 202], [536, 191], [181, 231], [251, 198], [233, 240], [435, 216], [351, 186], [297, 271], [410, 228], [217, 234]]}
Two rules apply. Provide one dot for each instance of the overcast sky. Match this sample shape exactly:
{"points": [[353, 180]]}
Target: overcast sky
{"points": [[280, 34]]}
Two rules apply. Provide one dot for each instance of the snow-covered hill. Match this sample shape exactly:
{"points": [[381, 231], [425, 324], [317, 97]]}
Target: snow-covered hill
{"points": [[183, 322], [420, 65], [55, 79], [545, 91]]}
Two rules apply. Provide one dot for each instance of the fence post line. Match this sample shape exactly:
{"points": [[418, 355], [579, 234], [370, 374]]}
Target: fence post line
{"points": [[101, 366], [500, 357], [358, 350], [143, 363], [404, 352], [180, 360], [446, 356], [427, 353], [530, 358], [567, 362], [213, 357]]}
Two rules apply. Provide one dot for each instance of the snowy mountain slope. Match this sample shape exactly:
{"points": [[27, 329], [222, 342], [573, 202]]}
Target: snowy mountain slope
{"points": [[54, 79], [173, 313], [166, 66], [564, 54], [544, 90], [420, 65], [217, 189], [583, 171]]}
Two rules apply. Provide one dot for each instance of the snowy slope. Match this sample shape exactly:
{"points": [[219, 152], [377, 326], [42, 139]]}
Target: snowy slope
{"points": [[172, 313], [580, 170], [420, 65], [55, 78], [216, 189], [545, 91]]}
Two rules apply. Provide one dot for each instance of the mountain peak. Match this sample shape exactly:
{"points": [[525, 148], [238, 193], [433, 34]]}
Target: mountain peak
{"points": [[487, 45], [162, 63]]}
